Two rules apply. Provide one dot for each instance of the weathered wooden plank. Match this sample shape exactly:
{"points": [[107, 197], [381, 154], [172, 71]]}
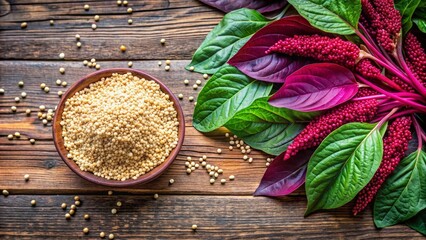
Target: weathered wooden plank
{"points": [[183, 23], [171, 217], [48, 172]]}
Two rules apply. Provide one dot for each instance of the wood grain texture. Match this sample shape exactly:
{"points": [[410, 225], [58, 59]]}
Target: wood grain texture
{"points": [[171, 217], [183, 23]]}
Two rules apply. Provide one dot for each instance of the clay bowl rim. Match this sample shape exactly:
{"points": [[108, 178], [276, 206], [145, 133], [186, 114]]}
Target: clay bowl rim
{"points": [[89, 176]]}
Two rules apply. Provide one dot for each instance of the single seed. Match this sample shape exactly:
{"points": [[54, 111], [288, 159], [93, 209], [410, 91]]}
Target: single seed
{"points": [[198, 82], [159, 63], [113, 211], [102, 234], [67, 216], [119, 204], [17, 134], [129, 10], [130, 64], [52, 22], [23, 25], [27, 177], [187, 164], [195, 86], [58, 82], [46, 89], [73, 207], [21, 83], [123, 48], [64, 206], [188, 170], [212, 180], [167, 68], [62, 70], [171, 181], [219, 150], [216, 175], [162, 41], [72, 212], [230, 148], [44, 121], [110, 193], [10, 136], [78, 44], [180, 96], [86, 7], [191, 68], [17, 99], [32, 141], [60, 93], [85, 62], [223, 180], [1, 91], [64, 84], [156, 196], [5, 193], [193, 168], [77, 36], [111, 236], [96, 18], [94, 26], [194, 227], [61, 55], [33, 203], [186, 81], [168, 62], [220, 171], [86, 216], [245, 157], [42, 108], [130, 21], [203, 164], [23, 94], [77, 203], [85, 230], [125, 3], [232, 177], [205, 76], [98, 66], [267, 164], [119, 2], [250, 160]]}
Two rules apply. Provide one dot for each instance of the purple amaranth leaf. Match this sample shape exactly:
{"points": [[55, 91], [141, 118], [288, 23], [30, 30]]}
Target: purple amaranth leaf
{"points": [[316, 87], [262, 6], [284, 177], [252, 60]]}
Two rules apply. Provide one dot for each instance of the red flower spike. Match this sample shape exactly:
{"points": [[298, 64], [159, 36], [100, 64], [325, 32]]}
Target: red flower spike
{"points": [[320, 127], [365, 92], [366, 68], [402, 84], [382, 21], [322, 48], [416, 57], [395, 144]]}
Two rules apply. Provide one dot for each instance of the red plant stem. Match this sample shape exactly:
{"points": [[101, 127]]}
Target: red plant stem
{"points": [[389, 82], [418, 106], [369, 40], [385, 118], [370, 45], [417, 85], [420, 134], [369, 97], [402, 113], [391, 69]]}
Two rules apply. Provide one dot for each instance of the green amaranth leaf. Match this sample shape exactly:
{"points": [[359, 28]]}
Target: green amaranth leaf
{"points": [[418, 222], [342, 165], [226, 39], [403, 194], [421, 24], [227, 92], [268, 128], [333, 16], [406, 8]]}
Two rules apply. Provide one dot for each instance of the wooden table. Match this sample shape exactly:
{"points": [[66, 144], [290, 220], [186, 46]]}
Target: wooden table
{"points": [[220, 211]]}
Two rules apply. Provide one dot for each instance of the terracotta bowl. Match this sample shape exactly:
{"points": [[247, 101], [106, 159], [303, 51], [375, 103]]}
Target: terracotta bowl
{"points": [[59, 141]]}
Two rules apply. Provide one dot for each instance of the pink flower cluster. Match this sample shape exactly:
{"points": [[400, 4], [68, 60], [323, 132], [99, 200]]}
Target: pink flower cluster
{"points": [[320, 127], [416, 57], [395, 144], [383, 21], [320, 48]]}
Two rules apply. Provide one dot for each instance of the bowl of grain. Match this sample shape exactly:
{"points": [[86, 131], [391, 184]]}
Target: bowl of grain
{"points": [[118, 127]]}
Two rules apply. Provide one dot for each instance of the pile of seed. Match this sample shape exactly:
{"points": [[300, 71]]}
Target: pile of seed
{"points": [[120, 127]]}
